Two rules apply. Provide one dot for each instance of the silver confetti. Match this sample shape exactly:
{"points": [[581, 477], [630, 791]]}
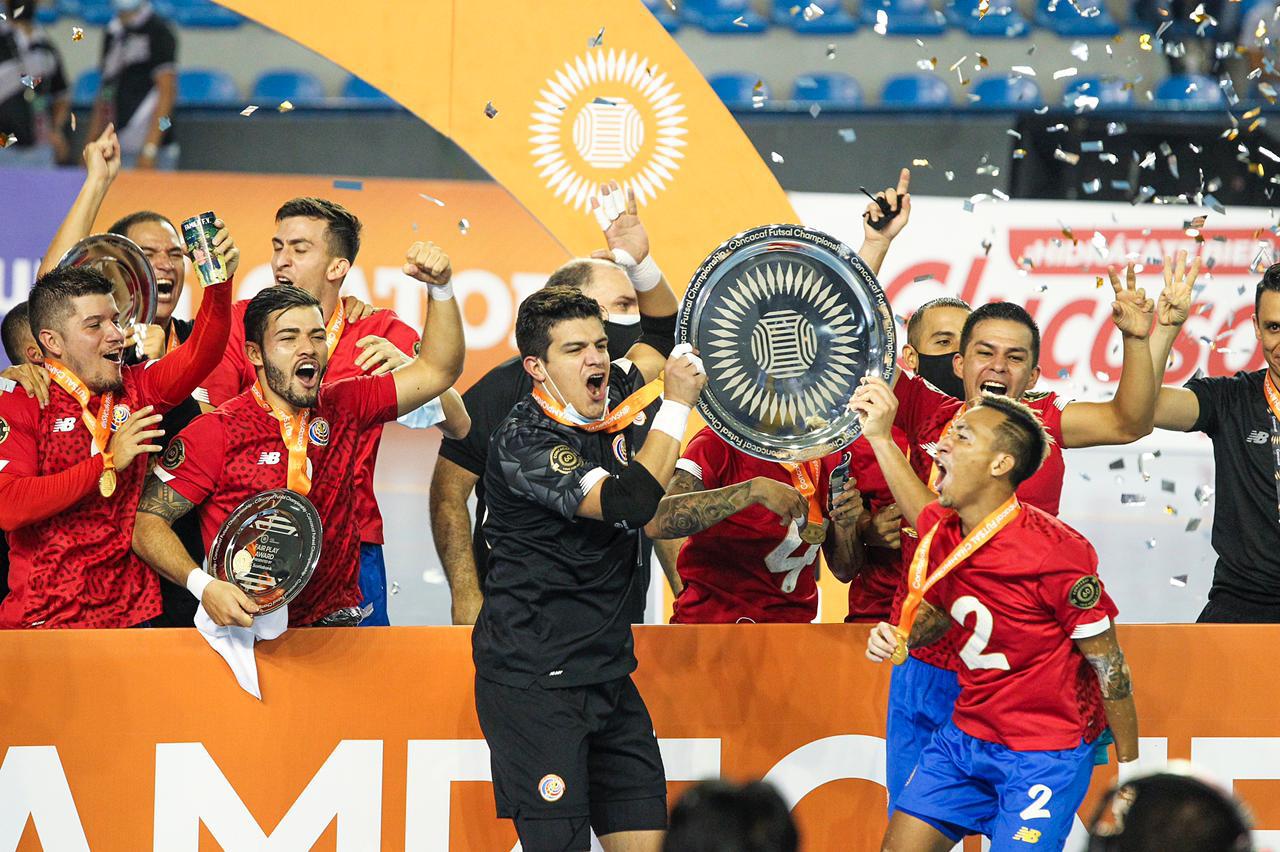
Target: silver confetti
{"points": [[1151, 544], [1144, 460], [1169, 485], [596, 40], [1178, 581], [464, 226], [490, 110], [1133, 500], [1118, 464], [249, 110], [436, 201], [1204, 493], [1193, 525], [395, 587], [848, 134], [776, 157], [164, 123], [1092, 146]]}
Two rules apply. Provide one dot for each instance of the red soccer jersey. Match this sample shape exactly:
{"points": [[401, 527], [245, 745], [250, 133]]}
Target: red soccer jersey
{"points": [[227, 456], [872, 589], [923, 414], [1019, 602], [235, 374], [748, 567]]}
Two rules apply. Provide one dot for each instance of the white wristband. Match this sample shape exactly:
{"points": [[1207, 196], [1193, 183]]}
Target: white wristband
{"points": [[672, 419], [644, 275], [441, 292], [197, 580]]}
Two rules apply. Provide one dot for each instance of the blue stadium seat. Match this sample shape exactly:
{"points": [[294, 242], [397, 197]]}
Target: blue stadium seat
{"points": [[736, 88], [287, 84], [206, 87], [86, 87], [202, 14], [829, 90], [67, 8], [1075, 18], [1002, 18], [1012, 91], [670, 20], [366, 95], [905, 17], [1110, 92], [834, 20], [718, 16], [46, 13], [918, 91], [96, 13], [1189, 91]]}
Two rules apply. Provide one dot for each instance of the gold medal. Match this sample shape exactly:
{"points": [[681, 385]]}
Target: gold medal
{"points": [[107, 482], [900, 651], [813, 533]]}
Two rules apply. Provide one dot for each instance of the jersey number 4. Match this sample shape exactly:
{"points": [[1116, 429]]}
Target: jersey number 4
{"points": [[780, 561], [971, 653]]}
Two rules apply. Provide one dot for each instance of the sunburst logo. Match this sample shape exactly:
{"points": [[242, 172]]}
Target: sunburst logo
{"points": [[608, 115]]}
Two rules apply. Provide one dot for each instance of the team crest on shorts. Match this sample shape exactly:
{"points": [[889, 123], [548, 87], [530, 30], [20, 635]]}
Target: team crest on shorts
{"points": [[318, 432], [620, 449], [1085, 593], [551, 787], [4, 430], [174, 455], [119, 415], [563, 459]]}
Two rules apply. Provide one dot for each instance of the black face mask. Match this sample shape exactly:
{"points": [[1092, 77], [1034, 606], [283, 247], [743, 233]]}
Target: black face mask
{"points": [[937, 370], [621, 337]]}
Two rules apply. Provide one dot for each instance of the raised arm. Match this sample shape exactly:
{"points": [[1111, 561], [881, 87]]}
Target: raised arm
{"points": [[102, 164], [439, 360], [877, 406], [1128, 416], [877, 233], [451, 487], [1104, 654], [687, 508], [1176, 408]]}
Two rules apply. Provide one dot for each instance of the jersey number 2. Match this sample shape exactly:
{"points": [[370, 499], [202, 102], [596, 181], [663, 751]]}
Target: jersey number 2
{"points": [[971, 653], [780, 560]]}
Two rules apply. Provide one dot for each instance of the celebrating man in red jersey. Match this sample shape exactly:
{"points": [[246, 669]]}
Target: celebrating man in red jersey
{"points": [[69, 486], [1015, 759], [288, 431], [314, 247]]}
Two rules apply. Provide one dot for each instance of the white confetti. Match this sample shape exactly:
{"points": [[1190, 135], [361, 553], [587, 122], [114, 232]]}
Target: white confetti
{"points": [[776, 157], [464, 226], [249, 110], [882, 22], [436, 201], [1178, 581], [1025, 70], [1065, 72], [848, 134]]}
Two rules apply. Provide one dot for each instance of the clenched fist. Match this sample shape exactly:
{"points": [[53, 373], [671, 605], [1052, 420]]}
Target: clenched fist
{"points": [[428, 263]]}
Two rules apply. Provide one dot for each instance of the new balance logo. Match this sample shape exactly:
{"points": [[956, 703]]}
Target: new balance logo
{"points": [[64, 424], [1257, 436], [269, 458], [1027, 835]]}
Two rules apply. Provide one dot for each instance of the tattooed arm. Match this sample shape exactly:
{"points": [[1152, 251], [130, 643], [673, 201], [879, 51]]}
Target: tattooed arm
{"points": [[1104, 654], [158, 545], [689, 509]]}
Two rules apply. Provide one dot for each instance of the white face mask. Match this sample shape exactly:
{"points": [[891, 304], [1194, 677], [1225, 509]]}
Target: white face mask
{"points": [[624, 319], [569, 411]]}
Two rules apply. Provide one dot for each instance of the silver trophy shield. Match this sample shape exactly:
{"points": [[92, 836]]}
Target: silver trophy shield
{"points": [[787, 321], [268, 546], [123, 263]]}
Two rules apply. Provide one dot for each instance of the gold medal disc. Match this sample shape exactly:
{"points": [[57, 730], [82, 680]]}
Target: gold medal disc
{"points": [[900, 653], [107, 482], [814, 533]]}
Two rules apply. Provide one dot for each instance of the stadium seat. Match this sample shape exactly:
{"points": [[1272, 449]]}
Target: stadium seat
{"points": [[917, 91], [86, 87], [46, 13], [834, 20], [669, 19], [1110, 92], [202, 14], [718, 16], [1189, 91], [365, 95], [905, 17], [1007, 92], [736, 88], [286, 84], [1002, 18], [206, 87], [96, 13], [1075, 18], [67, 8], [829, 90]]}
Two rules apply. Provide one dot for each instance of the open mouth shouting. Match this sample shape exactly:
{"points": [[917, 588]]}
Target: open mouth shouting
{"points": [[307, 372], [114, 356], [164, 290], [596, 386], [940, 464], [997, 388]]}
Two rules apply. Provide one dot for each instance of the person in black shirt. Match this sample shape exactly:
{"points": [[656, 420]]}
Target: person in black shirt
{"points": [[35, 101], [1234, 412], [139, 85], [572, 745]]}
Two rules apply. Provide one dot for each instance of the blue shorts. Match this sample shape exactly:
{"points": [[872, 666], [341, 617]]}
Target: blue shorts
{"points": [[373, 586], [921, 699], [1019, 799]]}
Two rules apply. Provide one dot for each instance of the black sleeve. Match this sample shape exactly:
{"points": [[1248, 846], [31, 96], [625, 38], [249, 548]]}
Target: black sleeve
{"points": [[56, 82], [1212, 393], [488, 402], [659, 332], [539, 465], [164, 48]]}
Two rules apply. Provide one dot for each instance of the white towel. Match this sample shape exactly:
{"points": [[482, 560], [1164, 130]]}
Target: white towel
{"points": [[235, 644]]}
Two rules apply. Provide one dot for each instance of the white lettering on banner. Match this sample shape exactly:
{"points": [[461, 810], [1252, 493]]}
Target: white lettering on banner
{"points": [[191, 789], [15, 286], [499, 312], [33, 784], [1232, 759]]}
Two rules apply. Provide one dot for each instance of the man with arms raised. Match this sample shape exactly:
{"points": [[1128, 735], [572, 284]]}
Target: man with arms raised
{"points": [[287, 431], [1015, 759], [571, 742]]}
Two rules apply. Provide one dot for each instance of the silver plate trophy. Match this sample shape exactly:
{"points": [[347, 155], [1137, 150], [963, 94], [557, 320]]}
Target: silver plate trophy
{"points": [[269, 547], [787, 320], [123, 264]]}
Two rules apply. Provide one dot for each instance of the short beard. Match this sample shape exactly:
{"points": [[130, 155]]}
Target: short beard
{"points": [[279, 383], [115, 385]]}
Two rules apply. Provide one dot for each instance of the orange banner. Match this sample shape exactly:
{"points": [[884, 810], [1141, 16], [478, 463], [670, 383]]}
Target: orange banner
{"points": [[140, 739]]}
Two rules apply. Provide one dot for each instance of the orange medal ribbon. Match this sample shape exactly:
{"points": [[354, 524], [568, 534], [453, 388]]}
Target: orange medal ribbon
{"points": [[615, 421], [293, 431], [920, 580], [99, 426], [1273, 396], [804, 477], [171, 339], [333, 329]]}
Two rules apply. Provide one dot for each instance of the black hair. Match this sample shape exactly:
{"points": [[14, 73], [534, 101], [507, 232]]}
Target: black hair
{"points": [[15, 323], [273, 300], [342, 228], [21, 10], [716, 816], [122, 225], [1171, 813], [914, 323], [49, 303], [1002, 311], [1021, 434], [1268, 283], [575, 273], [543, 310]]}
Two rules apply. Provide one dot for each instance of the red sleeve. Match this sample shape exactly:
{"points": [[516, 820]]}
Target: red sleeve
{"points": [[709, 454], [368, 400], [1051, 417], [917, 402], [1069, 588], [25, 496], [167, 382], [192, 464], [402, 335]]}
